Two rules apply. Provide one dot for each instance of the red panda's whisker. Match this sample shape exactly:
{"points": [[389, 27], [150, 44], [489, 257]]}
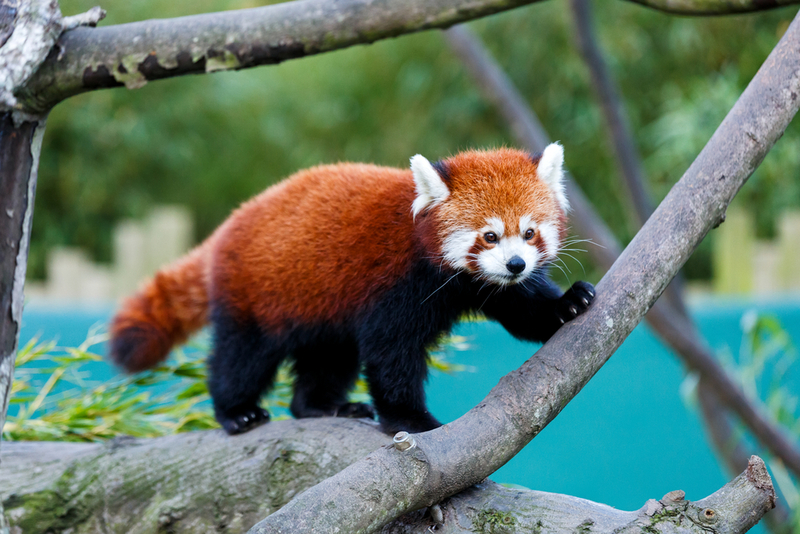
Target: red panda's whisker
{"points": [[438, 288]]}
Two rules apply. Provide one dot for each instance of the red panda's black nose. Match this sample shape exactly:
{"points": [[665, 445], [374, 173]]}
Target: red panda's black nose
{"points": [[516, 265]]}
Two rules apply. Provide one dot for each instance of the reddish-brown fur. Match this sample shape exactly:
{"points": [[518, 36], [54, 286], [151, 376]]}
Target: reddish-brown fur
{"points": [[166, 310], [328, 243], [322, 244]]}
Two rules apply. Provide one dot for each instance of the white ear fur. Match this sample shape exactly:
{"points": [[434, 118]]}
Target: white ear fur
{"points": [[551, 171], [430, 187]]}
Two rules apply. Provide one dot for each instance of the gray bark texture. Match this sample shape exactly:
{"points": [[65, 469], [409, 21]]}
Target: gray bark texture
{"points": [[87, 59], [136, 53], [226, 484]]}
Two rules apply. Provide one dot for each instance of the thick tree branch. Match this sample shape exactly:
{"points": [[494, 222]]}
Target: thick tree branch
{"points": [[20, 144], [30, 28], [209, 482], [682, 339], [526, 400], [630, 167], [133, 54]]}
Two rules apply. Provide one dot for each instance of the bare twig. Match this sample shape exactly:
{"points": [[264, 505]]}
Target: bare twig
{"points": [[626, 155]]}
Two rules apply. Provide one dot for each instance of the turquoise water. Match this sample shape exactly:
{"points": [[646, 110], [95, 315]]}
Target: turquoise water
{"points": [[627, 437]]}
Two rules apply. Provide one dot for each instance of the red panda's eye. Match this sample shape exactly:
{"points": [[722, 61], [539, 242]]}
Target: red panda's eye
{"points": [[490, 237], [529, 233]]}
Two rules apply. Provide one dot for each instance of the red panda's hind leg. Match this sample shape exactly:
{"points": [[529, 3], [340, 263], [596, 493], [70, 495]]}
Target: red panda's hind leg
{"points": [[396, 379], [241, 368], [324, 374]]}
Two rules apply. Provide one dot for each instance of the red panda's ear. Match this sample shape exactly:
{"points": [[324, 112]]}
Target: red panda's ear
{"points": [[431, 189], [551, 171]]}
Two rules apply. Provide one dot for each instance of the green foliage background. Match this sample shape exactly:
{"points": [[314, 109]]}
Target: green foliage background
{"points": [[213, 141]]}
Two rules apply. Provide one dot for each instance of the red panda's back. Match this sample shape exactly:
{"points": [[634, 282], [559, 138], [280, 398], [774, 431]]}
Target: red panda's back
{"points": [[316, 246]]}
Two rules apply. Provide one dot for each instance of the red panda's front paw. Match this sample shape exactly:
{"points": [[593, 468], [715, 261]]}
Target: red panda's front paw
{"points": [[575, 301]]}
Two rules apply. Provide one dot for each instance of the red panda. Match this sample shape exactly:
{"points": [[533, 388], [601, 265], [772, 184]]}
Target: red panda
{"points": [[350, 266]]}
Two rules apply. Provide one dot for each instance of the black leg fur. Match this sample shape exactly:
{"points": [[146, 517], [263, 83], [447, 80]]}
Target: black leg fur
{"points": [[393, 338], [535, 311], [241, 368], [324, 373]]}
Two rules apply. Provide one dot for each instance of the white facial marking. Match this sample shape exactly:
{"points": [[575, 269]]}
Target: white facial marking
{"points": [[430, 187], [551, 171], [525, 222], [457, 245], [494, 224], [550, 237], [493, 261]]}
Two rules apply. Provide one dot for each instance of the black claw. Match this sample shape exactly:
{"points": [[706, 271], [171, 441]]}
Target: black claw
{"points": [[573, 310], [356, 410], [242, 422]]}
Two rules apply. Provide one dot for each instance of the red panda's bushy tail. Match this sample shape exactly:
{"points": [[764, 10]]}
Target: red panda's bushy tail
{"points": [[164, 312]]}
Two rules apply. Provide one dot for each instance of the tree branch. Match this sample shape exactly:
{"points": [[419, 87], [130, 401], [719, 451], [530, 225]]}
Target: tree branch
{"points": [[627, 156], [20, 144], [465, 451], [712, 7], [30, 29], [209, 482], [678, 333], [87, 59], [731, 450], [133, 54]]}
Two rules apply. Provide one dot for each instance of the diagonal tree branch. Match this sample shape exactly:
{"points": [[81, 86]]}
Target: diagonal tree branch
{"points": [[465, 451], [713, 412], [624, 149], [678, 333], [626, 155]]}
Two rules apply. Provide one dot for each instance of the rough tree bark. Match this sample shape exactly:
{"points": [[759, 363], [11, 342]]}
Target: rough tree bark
{"points": [[227, 484], [27, 33], [715, 415]]}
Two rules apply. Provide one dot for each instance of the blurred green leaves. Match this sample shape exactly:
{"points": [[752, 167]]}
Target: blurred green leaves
{"points": [[57, 400], [213, 141]]}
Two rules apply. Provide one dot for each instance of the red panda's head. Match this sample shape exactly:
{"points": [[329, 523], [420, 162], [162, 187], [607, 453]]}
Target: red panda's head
{"points": [[501, 214]]}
